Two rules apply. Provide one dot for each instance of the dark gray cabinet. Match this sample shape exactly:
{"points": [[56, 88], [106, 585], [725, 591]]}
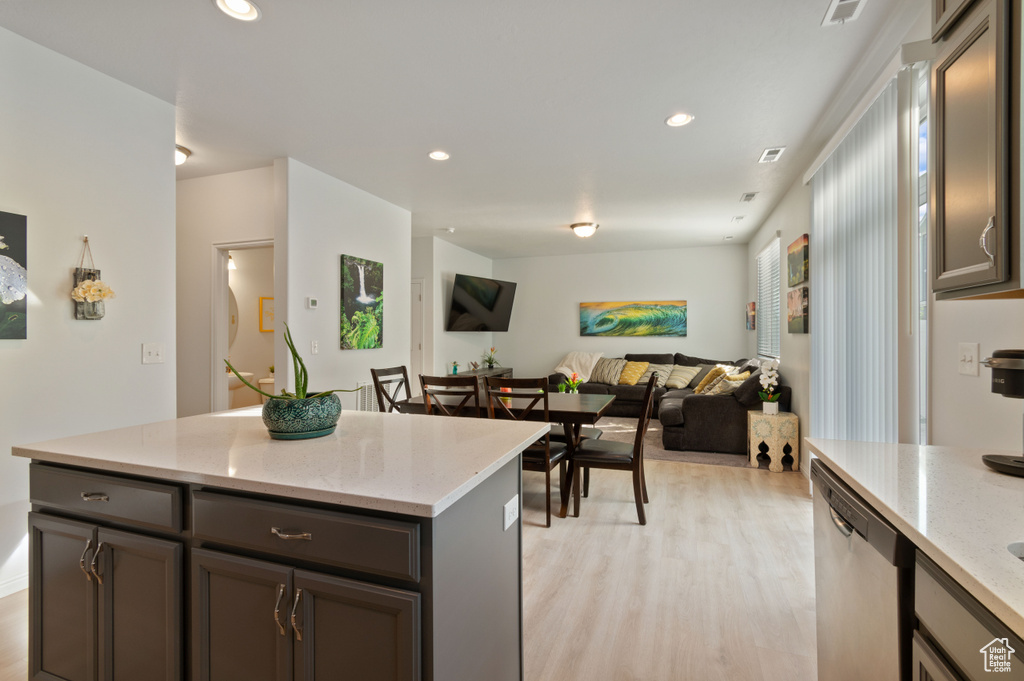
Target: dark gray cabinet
{"points": [[106, 604], [944, 15], [257, 620], [929, 664]]}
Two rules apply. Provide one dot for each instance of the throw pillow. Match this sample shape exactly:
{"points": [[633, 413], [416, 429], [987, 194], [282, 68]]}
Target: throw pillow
{"points": [[746, 394], [702, 371], [728, 384], [719, 370], [681, 376], [580, 363], [632, 372], [607, 371], [663, 372]]}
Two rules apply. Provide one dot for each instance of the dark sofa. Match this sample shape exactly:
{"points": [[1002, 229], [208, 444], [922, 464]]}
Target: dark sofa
{"points": [[691, 422]]}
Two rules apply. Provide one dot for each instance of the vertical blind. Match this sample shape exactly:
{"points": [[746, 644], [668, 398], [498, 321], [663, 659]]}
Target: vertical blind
{"points": [[768, 313], [853, 316]]}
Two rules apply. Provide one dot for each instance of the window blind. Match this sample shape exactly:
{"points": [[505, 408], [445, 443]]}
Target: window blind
{"points": [[769, 311], [854, 307]]}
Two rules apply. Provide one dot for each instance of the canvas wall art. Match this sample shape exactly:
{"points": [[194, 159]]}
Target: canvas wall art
{"points": [[751, 316], [796, 315], [362, 303], [13, 276], [797, 260], [649, 318]]}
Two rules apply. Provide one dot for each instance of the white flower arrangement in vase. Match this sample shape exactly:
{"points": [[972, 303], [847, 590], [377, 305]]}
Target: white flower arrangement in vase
{"points": [[769, 382]]}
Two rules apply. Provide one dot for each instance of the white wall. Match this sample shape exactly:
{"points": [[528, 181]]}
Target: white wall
{"points": [[963, 410], [322, 219], [233, 207], [253, 350], [792, 217], [545, 316], [423, 268], [82, 154], [457, 346]]}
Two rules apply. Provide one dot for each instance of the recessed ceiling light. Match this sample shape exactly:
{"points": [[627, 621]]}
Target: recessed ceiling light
{"points": [[243, 10], [181, 154], [439, 156], [450, 230], [678, 119], [771, 155], [584, 229]]}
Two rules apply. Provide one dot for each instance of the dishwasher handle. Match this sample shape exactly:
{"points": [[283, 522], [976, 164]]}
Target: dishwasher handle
{"points": [[844, 527]]}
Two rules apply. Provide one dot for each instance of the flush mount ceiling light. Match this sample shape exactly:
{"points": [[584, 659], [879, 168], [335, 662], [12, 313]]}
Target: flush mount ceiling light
{"points": [[439, 156], [678, 119], [181, 154], [584, 229], [243, 10]]}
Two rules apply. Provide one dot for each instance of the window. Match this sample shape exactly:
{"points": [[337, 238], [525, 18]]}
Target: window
{"points": [[768, 306]]}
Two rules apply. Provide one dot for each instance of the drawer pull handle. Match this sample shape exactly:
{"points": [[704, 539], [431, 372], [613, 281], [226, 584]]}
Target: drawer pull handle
{"points": [[94, 496], [93, 564], [81, 561], [278, 532], [277, 608], [295, 609], [983, 241]]}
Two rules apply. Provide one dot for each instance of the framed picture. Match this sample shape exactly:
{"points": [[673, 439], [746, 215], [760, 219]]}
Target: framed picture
{"points": [[796, 260], [647, 318], [797, 308], [362, 303], [266, 314], [751, 316], [13, 276]]}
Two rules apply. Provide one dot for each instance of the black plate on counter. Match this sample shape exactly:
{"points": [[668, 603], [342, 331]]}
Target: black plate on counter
{"points": [[1013, 465]]}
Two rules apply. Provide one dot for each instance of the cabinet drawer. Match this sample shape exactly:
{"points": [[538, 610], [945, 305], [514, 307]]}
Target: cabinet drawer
{"points": [[378, 546], [133, 502]]}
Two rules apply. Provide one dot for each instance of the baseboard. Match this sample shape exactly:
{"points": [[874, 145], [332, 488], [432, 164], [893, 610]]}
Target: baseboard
{"points": [[14, 585]]}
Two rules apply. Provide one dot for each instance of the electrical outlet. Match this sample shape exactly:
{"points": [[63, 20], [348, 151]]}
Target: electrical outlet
{"points": [[968, 359], [152, 353], [511, 513], [314, 347]]}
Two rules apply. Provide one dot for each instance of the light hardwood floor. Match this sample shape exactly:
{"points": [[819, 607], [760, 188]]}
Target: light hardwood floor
{"points": [[718, 585]]}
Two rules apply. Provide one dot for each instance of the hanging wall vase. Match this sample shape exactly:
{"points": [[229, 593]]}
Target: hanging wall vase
{"points": [[89, 291]]}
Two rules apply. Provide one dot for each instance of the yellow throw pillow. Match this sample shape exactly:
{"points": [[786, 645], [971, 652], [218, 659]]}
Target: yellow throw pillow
{"points": [[710, 378], [632, 372], [728, 384]]}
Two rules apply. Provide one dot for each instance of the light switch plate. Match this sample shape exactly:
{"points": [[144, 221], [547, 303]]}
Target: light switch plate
{"points": [[968, 359], [511, 512], [152, 353]]}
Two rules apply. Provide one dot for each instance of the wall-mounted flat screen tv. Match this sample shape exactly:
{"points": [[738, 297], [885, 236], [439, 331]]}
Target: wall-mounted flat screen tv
{"points": [[480, 304]]}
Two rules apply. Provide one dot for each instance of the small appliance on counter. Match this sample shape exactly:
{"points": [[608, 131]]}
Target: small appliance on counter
{"points": [[1007, 380]]}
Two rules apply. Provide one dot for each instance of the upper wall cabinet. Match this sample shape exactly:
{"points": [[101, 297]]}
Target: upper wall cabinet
{"points": [[974, 192], [944, 15]]}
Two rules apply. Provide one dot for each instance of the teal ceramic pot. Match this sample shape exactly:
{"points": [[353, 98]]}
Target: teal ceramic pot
{"points": [[302, 419]]}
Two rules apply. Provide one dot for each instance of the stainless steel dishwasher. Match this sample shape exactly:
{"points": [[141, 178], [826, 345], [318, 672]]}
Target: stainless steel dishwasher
{"points": [[863, 577]]}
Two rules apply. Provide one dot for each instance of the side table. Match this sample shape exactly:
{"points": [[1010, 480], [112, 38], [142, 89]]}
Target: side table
{"points": [[776, 431]]}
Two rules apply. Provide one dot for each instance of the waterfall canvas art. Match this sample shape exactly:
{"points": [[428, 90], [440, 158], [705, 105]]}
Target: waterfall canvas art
{"points": [[659, 318], [13, 275], [362, 303]]}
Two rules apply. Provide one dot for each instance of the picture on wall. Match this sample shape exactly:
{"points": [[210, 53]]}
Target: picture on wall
{"points": [[797, 255], [751, 316], [650, 318], [797, 311], [362, 303], [13, 276]]}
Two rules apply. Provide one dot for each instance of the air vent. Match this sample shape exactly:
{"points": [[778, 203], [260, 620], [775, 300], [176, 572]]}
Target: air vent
{"points": [[737, 218], [841, 11], [771, 155], [748, 197], [367, 399]]}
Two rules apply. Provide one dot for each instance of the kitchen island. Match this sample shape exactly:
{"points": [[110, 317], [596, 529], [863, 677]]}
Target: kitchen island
{"points": [[962, 517], [200, 548]]}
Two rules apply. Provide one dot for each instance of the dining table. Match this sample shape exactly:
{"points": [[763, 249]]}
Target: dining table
{"points": [[572, 410]]}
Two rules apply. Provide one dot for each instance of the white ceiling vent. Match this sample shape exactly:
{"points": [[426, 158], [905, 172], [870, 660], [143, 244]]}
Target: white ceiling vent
{"points": [[771, 155], [841, 11]]}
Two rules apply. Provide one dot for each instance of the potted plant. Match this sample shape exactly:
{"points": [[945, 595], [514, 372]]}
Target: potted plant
{"points": [[769, 382], [298, 415], [490, 358], [571, 384]]}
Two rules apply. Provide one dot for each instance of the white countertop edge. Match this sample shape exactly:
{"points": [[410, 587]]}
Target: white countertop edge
{"points": [[975, 587]]}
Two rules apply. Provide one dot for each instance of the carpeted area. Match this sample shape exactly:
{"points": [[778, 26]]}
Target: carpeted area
{"points": [[623, 429]]}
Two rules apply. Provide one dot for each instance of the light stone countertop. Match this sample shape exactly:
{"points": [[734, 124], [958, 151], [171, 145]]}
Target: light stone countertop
{"points": [[403, 463], [953, 507]]}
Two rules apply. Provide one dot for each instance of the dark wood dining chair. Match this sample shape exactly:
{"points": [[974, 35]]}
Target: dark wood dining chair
{"points": [[619, 456], [530, 397], [459, 392], [389, 384]]}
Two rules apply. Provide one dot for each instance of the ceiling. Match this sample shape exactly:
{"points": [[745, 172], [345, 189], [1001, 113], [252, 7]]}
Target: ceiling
{"points": [[552, 110]]}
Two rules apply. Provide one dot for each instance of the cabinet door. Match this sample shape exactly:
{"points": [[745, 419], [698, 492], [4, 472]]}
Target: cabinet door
{"points": [[240, 628], [353, 631], [140, 603], [929, 665], [970, 91], [62, 612]]}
